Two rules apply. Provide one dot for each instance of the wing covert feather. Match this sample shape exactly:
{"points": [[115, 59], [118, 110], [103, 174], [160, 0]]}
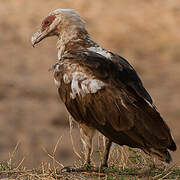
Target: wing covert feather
{"points": [[118, 106]]}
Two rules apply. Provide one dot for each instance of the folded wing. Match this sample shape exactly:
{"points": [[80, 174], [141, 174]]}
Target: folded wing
{"points": [[121, 108]]}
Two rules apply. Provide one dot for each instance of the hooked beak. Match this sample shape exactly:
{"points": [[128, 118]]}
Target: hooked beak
{"points": [[37, 37]]}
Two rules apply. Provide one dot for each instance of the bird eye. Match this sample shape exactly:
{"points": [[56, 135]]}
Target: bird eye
{"points": [[47, 22]]}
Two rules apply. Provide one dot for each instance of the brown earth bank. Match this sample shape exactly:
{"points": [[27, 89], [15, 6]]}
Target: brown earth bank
{"points": [[144, 32]]}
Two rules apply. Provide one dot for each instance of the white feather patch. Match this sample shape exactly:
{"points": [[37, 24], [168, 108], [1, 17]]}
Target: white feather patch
{"points": [[100, 51], [66, 79], [93, 85], [122, 102], [57, 83], [56, 69], [82, 84]]}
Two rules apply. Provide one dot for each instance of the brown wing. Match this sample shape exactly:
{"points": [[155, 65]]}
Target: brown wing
{"points": [[116, 110], [130, 77]]}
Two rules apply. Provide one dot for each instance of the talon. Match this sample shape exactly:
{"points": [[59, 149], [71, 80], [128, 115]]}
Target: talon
{"points": [[68, 169], [103, 168], [87, 167], [84, 168]]}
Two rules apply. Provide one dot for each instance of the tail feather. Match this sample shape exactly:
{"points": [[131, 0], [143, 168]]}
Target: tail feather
{"points": [[168, 157], [162, 155], [172, 147]]}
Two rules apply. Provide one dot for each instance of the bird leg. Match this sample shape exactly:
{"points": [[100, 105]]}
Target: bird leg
{"points": [[107, 147], [87, 134]]}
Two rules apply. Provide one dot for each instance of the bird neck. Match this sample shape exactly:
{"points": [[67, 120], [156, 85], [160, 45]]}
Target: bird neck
{"points": [[73, 39]]}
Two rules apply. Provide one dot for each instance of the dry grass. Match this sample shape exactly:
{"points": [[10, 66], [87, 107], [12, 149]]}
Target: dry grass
{"points": [[134, 166], [144, 32], [124, 163]]}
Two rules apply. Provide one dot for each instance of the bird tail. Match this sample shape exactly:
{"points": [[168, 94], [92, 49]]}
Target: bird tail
{"points": [[162, 155]]}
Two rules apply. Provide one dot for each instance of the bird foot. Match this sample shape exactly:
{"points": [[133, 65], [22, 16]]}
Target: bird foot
{"points": [[103, 168], [84, 168]]}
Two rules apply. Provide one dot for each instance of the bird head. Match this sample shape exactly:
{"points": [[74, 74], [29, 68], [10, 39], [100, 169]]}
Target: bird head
{"points": [[56, 23]]}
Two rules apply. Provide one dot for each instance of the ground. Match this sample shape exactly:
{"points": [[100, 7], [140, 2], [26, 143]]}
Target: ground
{"points": [[32, 116], [132, 165]]}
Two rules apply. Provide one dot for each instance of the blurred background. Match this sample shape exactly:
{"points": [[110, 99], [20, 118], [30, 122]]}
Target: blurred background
{"points": [[147, 33]]}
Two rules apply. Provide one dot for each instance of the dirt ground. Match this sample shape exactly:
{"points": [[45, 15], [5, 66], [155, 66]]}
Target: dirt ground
{"points": [[147, 33]]}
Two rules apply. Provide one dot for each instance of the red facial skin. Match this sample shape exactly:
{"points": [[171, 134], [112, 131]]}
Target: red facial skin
{"points": [[47, 22]]}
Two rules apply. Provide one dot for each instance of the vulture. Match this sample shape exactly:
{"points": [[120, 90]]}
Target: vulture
{"points": [[102, 91]]}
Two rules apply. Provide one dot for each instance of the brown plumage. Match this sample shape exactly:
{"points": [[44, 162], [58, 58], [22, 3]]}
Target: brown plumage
{"points": [[102, 91]]}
